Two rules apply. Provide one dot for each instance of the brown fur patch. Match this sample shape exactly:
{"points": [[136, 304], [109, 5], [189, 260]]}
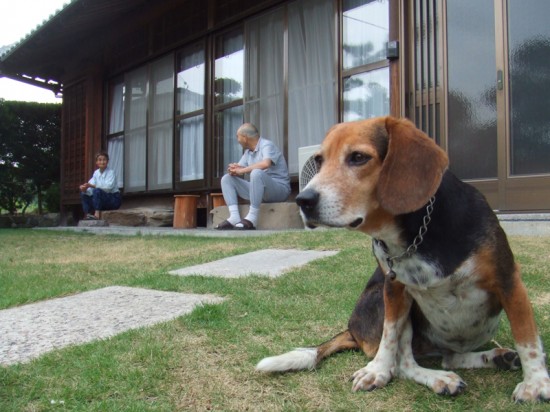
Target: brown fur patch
{"points": [[412, 170]]}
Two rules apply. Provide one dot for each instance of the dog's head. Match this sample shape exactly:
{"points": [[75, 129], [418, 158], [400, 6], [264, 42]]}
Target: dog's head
{"points": [[370, 171]]}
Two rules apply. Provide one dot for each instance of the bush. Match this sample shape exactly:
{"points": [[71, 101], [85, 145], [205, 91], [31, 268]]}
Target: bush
{"points": [[52, 198]]}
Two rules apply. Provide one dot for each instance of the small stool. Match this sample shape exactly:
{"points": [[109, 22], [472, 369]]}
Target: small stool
{"points": [[217, 200], [185, 211]]}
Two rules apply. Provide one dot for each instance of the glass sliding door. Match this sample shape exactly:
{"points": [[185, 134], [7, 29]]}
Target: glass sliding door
{"points": [[190, 114], [228, 98], [471, 99], [529, 78], [366, 82], [498, 57]]}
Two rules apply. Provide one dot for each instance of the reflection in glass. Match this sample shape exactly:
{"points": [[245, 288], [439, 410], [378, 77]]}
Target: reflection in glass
{"points": [[365, 32], [229, 68], [472, 89], [529, 42], [367, 95], [192, 148], [190, 90], [229, 150]]}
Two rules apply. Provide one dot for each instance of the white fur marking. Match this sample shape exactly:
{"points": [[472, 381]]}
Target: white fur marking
{"points": [[297, 359]]}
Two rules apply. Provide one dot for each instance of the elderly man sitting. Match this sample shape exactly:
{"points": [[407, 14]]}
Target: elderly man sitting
{"points": [[269, 179]]}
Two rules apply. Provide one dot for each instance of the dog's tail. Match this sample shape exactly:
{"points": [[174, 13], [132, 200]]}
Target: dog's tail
{"points": [[308, 358]]}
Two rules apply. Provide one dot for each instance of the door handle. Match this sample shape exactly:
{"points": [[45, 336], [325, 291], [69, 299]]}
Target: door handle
{"points": [[500, 80]]}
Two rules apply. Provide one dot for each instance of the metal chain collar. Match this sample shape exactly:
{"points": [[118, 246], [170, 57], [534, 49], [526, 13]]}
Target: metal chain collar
{"points": [[417, 241]]}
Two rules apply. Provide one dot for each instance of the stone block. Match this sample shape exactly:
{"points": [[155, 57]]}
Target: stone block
{"points": [[273, 216], [141, 216], [92, 223]]}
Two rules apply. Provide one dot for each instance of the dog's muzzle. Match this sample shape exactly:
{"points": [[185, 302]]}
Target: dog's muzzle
{"points": [[313, 214], [308, 201]]}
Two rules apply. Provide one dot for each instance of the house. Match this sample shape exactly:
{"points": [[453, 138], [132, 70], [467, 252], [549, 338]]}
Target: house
{"points": [[163, 85]]}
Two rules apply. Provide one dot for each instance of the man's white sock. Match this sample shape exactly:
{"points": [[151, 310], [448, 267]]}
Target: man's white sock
{"points": [[234, 215], [252, 215]]}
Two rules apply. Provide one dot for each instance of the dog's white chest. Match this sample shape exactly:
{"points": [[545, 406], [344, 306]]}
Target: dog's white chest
{"points": [[457, 310], [458, 313]]}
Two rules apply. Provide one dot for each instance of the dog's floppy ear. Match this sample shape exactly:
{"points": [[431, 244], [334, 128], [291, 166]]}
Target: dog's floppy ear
{"points": [[412, 169]]}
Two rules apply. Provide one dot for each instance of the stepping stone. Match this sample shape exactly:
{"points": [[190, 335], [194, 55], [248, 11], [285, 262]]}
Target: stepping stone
{"points": [[29, 331], [93, 223], [267, 262]]}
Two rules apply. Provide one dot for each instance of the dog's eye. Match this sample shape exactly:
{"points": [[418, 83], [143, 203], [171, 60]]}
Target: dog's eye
{"points": [[358, 158], [318, 161]]}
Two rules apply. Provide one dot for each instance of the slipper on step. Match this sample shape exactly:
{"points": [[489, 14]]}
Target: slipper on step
{"points": [[245, 224], [225, 225]]}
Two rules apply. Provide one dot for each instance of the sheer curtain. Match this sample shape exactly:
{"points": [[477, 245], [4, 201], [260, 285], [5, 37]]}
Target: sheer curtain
{"points": [[312, 74], [115, 149], [135, 116], [264, 93], [115, 145], [192, 148], [160, 121], [191, 79], [116, 118]]}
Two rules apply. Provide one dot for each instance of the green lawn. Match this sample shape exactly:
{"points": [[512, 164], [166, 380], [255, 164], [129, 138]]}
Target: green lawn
{"points": [[205, 360]]}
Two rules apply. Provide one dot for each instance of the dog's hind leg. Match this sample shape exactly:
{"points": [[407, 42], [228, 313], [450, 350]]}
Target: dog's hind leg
{"points": [[499, 358], [307, 358]]}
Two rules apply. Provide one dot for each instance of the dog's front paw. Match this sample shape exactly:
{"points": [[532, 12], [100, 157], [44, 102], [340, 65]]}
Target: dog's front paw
{"points": [[371, 377], [447, 383], [532, 391]]}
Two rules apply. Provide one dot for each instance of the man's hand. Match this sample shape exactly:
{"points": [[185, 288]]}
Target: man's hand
{"points": [[234, 169], [85, 187]]}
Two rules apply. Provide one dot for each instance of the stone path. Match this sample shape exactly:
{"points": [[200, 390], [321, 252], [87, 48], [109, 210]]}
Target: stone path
{"points": [[266, 262], [29, 331]]}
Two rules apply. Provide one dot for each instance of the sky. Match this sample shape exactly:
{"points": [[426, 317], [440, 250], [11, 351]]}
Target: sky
{"points": [[17, 19]]}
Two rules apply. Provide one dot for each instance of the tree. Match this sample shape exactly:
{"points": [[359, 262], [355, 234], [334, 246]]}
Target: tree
{"points": [[30, 140]]}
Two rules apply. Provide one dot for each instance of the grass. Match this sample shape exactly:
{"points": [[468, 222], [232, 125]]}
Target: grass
{"points": [[205, 360]]}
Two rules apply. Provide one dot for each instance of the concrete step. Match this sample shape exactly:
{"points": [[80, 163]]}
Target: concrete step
{"points": [[273, 216], [525, 224]]}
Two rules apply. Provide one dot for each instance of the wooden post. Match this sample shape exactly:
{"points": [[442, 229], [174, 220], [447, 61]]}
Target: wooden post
{"points": [[185, 211]]}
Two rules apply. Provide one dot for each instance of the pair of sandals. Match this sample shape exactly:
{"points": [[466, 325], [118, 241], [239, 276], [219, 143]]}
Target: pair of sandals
{"points": [[226, 225]]}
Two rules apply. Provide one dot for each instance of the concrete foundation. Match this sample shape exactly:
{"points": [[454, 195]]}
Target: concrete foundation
{"points": [[273, 216]]}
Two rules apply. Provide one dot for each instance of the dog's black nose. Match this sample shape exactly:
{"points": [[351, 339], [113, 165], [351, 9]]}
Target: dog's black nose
{"points": [[307, 200]]}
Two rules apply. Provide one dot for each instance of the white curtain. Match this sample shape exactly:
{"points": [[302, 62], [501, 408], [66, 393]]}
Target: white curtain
{"points": [[134, 167], [264, 93], [115, 148], [312, 74], [160, 125], [160, 157], [135, 120], [116, 119], [192, 148]]}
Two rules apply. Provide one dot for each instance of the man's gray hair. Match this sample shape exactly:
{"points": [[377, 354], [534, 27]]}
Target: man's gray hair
{"points": [[248, 130]]}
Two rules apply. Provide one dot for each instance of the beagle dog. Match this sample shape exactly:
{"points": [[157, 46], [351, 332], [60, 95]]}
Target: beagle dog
{"points": [[445, 268]]}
